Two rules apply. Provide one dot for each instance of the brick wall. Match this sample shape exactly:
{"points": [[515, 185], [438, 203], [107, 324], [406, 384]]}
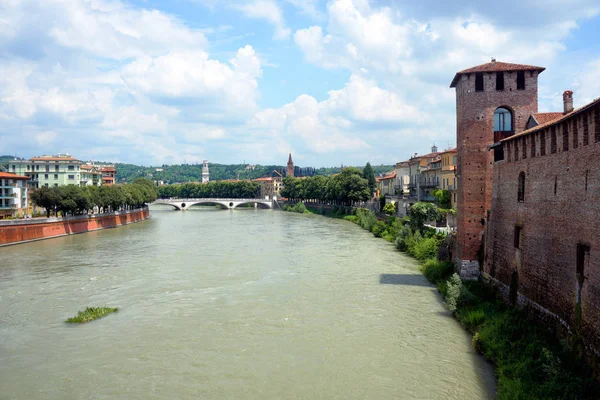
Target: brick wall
{"points": [[475, 132], [19, 231], [560, 210]]}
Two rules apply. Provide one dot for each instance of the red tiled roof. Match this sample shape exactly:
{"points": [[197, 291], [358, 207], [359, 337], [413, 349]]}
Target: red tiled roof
{"points": [[6, 175], [264, 179], [495, 66], [543, 118], [388, 175], [109, 169], [554, 121], [51, 158]]}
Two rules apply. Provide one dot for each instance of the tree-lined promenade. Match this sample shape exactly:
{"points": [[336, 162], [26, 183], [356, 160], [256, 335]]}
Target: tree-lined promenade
{"points": [[76, 200]]}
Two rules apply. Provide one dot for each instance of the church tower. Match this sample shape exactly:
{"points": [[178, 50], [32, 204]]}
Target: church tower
{"points": [[205, 175], [493, 102], [290, 166]]}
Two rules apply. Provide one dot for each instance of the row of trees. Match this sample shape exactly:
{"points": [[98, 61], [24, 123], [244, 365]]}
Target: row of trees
{"points": [[75, 200], [346, 188], [193, 172], [211, 190]]}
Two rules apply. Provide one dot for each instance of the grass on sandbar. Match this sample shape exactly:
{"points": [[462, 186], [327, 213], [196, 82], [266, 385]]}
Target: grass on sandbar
{"points": [[90, 314]]}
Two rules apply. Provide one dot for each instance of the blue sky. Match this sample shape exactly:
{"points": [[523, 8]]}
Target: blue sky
{"points": [[333, 82]]}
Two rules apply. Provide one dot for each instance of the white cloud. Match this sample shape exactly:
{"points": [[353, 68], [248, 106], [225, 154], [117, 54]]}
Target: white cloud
{"points": [[339, 123], [270, 11], [587, 84], [213, 86]]}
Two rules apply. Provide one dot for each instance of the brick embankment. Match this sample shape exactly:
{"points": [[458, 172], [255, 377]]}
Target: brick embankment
{"points": [[28, 230]]}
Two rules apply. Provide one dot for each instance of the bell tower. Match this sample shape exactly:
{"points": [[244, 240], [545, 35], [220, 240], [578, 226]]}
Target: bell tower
{"points": [[290, 166], [493, 101]]}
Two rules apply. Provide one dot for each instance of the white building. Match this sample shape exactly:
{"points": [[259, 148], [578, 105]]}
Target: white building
{"points": [[13, 195]]}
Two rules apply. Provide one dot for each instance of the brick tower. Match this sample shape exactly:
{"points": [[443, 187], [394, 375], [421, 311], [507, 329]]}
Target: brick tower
{"points": [[290, 166], [493, 101]]}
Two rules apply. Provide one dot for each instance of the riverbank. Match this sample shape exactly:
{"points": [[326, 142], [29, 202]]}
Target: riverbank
{"points": [[530, 362], [14, 232]]}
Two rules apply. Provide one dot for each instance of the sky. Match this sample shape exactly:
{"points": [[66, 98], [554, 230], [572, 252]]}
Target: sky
{"points": [[333, 82]]}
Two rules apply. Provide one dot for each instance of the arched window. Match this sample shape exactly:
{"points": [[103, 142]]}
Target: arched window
{"points": [[502, 120], [521, 192]]}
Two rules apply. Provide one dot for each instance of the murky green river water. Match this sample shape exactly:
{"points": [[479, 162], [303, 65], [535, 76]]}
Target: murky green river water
{"points": [[248, 304]]}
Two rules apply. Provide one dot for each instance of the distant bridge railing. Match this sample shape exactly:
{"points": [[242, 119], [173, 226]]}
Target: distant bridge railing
{"points": [[184, 204]]}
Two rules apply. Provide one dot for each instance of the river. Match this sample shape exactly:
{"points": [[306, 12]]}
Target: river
{"points": [[242, 304]]}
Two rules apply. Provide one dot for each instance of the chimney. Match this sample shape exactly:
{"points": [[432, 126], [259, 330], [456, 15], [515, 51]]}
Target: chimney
{"points": [[568, 101]]}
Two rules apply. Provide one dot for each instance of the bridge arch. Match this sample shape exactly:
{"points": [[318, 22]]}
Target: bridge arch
{"points": [[260, 204], [166, 203], [206, 202]]}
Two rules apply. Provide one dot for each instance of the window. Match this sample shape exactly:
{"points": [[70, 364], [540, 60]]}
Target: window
{"points": [[565, 137], [521, 191], [27, 167], [71, 177], [71, 168], [45, 176], [47, 168], [573, 127], [479, 82], [524, 148], [502, 120], [56, 168], [517, 238], [553, 140], [56, 185], [55, 176], [499, 80], [555, 184], [521, 80], [37, 167], [13, 167]]}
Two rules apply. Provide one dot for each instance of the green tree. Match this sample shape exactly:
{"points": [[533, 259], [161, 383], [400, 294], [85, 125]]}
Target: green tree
{"points": [[46, 198], [443, 198], [369, 175], [422, 212]]}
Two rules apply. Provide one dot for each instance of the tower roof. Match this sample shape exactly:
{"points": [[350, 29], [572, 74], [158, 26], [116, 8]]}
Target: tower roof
{"points": [[290, 159], [495, 66]]}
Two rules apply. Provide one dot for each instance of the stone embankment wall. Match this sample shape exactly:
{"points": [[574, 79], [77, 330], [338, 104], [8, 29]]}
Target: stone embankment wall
{"points": [[27, 230]]}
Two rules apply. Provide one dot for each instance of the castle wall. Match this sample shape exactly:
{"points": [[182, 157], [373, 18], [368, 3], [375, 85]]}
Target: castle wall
{"points": [[559, 212]]}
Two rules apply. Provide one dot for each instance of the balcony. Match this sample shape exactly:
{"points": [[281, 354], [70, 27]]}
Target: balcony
{"points": [[429, 184], [499, 135]]}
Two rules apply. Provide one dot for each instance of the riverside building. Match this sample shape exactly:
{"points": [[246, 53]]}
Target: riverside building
{"points": [[13, 195]]}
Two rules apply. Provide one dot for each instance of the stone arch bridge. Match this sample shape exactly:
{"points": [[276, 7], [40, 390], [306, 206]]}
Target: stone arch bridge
{"points": [[184, 204]]}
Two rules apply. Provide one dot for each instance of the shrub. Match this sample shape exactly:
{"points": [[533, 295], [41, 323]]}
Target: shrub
{"points": [[401, 237], [366, 219], [351, 218], [389, 209], [425, 249], [378, 228], [436, 271], [457, 294]]}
